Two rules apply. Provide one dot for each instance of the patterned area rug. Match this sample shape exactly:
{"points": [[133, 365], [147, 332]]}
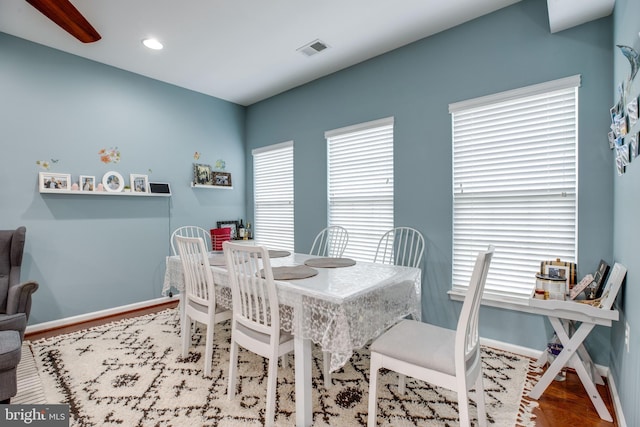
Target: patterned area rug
{"points": [[131, 373]]}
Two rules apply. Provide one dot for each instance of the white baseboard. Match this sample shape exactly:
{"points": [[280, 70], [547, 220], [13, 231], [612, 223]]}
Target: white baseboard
{"points": [[615, 397], [96, 315]]}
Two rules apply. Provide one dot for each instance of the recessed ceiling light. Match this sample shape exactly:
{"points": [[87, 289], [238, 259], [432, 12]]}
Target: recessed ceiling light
{"points": [[152, 44]]}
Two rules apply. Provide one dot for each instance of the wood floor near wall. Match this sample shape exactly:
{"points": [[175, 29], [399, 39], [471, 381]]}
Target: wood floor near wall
{"points": [[564, 403]]}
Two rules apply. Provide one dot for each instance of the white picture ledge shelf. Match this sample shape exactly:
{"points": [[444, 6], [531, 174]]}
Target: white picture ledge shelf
{"points": [[103, 193], [209, 186]]}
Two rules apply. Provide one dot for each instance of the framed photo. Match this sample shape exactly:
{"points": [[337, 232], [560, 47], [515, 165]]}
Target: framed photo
{"points": [[113, 182], [87, 183], [139, 183], [599, 277], [222, 179], [54, 181], [233, 225], [202, 174]]}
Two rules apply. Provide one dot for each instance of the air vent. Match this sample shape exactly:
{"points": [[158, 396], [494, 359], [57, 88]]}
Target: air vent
{"points": [[312, 48]]}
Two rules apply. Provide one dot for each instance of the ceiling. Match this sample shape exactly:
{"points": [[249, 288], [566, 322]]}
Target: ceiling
{"points": [[243, 51]]}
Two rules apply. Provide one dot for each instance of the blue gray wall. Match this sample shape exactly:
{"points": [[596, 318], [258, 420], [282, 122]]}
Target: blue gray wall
{"points": [[92, 253], [626, 241], [505, 50], [97, 252]]}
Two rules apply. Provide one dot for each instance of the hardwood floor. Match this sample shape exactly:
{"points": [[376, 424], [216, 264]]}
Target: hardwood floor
{"points": [[566, 403], [563, 404]]}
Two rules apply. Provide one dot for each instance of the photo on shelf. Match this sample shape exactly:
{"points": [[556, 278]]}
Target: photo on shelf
{"points": [[222, 179], [87, 183], [139, 183], [113, 182], [54, 181], [202, 174]]}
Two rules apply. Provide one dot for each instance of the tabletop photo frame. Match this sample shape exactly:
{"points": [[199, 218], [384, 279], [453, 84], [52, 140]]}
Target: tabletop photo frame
{"points": [[233, 225]]}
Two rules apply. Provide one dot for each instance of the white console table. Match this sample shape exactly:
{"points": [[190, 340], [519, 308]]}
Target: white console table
{"points": [[573, 321]]}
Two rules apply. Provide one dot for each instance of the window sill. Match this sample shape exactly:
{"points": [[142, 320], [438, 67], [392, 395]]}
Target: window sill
{"points": [[516, 304]]}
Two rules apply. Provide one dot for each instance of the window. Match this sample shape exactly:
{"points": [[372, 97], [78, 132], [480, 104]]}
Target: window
{"points": [[515, 184], [273, 195], [360, 184]]}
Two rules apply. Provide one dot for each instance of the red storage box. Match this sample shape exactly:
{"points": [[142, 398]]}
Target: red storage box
{"points": [[218, 236]]}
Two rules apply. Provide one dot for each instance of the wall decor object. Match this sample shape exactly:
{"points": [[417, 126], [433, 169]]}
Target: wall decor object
{"points": [[53, 182], [160, 188], [113, 182], [634, 59], [202, 174], [87, 183], [139, 183], [112, 155], [221, 179], [46, 165]]}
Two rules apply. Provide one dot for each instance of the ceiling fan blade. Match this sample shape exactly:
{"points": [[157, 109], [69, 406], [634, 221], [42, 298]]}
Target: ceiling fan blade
{"points": [[63, 13]]}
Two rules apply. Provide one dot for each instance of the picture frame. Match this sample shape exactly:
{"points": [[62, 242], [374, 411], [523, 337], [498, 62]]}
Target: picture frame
{"points": [[139, 183], [49, 181], [221, 179], [113, 182], [87, 183], [600, 277], [233, 225], [202, 174]]}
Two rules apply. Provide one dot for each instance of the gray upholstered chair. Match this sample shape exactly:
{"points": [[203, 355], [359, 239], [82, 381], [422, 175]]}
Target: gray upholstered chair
{"points": [[15, 296], [10, 353]]}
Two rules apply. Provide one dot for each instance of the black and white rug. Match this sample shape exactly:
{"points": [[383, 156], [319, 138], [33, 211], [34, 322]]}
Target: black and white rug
{"points": [[131, 373]]}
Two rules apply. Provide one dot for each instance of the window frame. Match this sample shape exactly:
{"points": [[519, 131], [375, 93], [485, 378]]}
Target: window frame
{"points": [[494, 297], [285, 230], [346, 148]]}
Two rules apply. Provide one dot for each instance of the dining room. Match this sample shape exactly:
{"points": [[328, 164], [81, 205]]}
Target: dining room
{"points": [[96, 256]]}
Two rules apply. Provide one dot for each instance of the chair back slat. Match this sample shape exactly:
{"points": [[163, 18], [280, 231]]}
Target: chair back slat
{"points": [[467, 339], [191, 231], [401, 246], [198, 277], [254, 295], [330, 242]]}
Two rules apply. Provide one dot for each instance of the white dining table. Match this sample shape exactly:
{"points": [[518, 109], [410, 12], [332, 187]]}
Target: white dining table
{"points": [[341, 309]]}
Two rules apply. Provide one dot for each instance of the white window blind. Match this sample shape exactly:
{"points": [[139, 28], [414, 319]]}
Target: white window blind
{"points": [[273, 196], [515, 184], [360, 184]]}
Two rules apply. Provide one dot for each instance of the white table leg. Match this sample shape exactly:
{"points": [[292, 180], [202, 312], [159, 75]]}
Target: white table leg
{"points": [[591, 388], [569, 347], [570, 355], [302, 354]]}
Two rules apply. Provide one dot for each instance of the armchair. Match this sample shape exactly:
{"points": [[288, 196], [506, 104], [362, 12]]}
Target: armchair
{"points": [[11, 330], [15, 296]]}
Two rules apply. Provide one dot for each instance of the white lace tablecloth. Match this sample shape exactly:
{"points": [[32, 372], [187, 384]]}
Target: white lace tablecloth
{"points": [[340, 309]]}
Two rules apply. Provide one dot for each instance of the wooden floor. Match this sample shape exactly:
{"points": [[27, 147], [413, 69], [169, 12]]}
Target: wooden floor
{"points": [[563, 404]]}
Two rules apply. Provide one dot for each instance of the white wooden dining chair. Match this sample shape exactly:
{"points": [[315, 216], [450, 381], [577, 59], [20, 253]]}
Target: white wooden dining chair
{"points": [[400, 246], [256, 319], [330, 242], [199, 297], [190, 231], [443, 357]]}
